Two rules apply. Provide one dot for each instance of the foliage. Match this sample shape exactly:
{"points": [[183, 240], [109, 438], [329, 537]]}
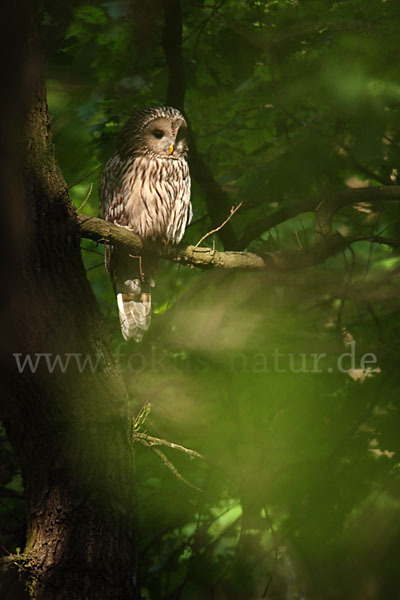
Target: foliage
{"points": [[288, 100]]}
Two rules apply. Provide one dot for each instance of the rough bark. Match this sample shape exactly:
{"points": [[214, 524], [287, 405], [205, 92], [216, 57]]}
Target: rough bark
{"points": [[70, 430]]}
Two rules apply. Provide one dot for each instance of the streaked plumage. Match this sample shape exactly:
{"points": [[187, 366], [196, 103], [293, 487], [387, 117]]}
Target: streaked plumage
{"points": [[145, 186]]}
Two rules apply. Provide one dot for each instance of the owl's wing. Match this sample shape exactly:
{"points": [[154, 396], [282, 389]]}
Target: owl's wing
{"points": [[111, 195], [181, 208], [131, 277]]}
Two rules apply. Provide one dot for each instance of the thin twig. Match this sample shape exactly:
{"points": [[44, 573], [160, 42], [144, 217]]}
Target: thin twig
{"points": [[371, 245], [298, 239], [233, 210], [199, 220], [231, 561], [84, 177], [173, 289], [140, 265], [95, 267], [141, 416], [235, 116], [153, 441], [170, 466], [373, 314], [87, 197], [203, 25], [304, 232], [92, 250]]}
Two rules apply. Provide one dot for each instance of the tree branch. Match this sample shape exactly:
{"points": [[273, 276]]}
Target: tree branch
{"points": [[324, 210], [103, 232], [327, 209]]}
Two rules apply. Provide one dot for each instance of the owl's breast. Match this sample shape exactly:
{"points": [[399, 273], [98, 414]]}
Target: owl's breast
{"points": [[156, 197]]}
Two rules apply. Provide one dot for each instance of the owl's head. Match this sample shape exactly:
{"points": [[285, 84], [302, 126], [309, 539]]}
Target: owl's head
{"points": [[158, 131]]}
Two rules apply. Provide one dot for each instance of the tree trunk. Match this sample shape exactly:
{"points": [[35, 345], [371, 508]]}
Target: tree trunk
{"points": [[71, 429]]}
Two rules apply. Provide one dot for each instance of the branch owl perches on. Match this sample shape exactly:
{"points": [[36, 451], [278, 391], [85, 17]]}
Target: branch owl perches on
{"points": [[145, 187]]}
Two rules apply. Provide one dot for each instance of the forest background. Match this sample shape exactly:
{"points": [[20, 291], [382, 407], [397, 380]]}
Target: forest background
{"points": [[285, 379]]}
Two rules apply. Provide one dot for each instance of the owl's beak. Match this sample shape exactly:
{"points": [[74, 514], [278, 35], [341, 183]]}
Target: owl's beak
{"points": [[171, 149]]}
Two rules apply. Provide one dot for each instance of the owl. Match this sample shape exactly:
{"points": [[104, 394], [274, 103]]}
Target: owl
{"points": [[145, 187]]}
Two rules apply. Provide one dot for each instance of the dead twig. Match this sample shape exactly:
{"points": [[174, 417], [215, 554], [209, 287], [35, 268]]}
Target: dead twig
{"points": [[141, 416], [233, 210], [150, 442], [95, 267], [167, 463], [153, 441], [298, 239], [87, 197], [85, 177], [140, 265]]}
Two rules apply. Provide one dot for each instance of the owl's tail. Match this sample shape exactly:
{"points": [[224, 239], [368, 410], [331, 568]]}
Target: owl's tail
{"points": [[132, 278], [134, 311]]}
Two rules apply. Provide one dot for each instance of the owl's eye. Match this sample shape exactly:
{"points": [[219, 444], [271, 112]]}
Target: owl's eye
{"points": [[158, 133]]}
